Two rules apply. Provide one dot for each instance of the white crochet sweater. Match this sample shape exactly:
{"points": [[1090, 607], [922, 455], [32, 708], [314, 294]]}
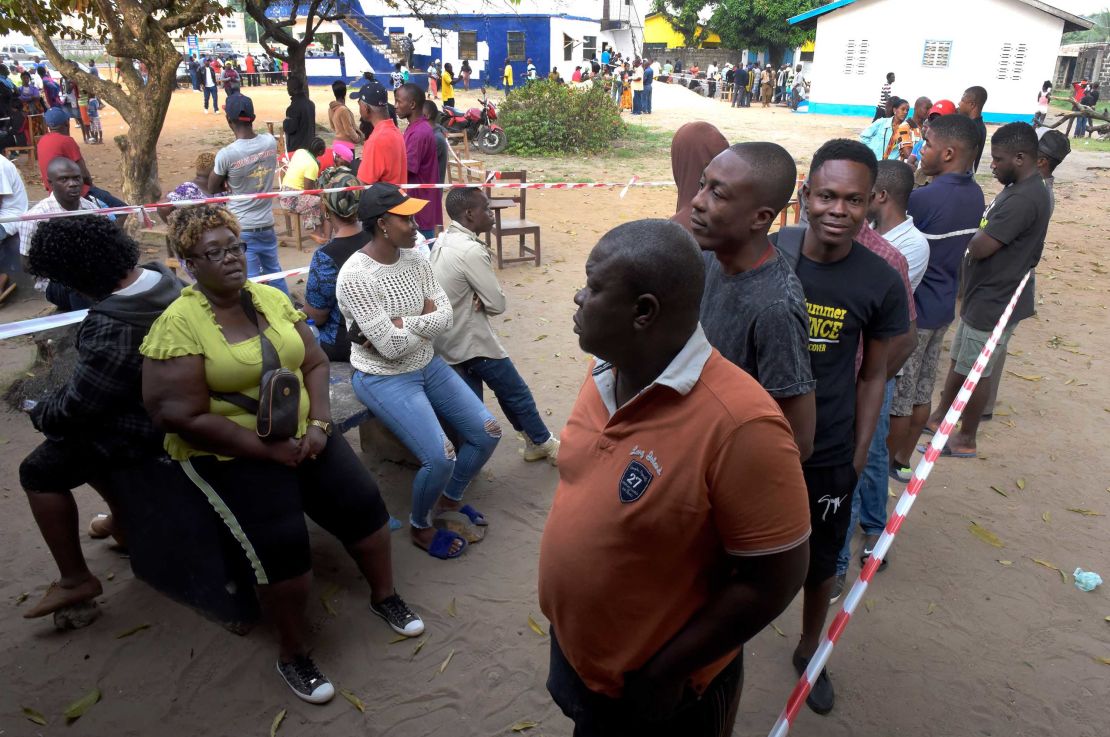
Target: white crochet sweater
{"points": [[372, 294]]}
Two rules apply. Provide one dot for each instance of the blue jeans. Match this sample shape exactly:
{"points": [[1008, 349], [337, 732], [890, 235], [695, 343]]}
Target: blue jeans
{"points": [[407, 404], [645, 103], [1081, 126], [637, 102], [512, 394], [262, 258], [214, 93], [195, 80], [869, 499]]}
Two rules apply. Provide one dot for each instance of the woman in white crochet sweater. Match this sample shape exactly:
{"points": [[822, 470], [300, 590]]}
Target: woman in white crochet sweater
{"points": [[388, 293]]}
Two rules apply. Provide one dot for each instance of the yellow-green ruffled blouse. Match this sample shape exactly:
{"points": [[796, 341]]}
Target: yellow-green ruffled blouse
{"points": [[188, 327]]}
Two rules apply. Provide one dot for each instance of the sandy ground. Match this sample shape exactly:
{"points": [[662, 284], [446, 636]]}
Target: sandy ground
{"points": [[951, 640]]}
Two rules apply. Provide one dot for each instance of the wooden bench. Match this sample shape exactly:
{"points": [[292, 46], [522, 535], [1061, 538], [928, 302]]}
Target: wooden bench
{"points": [[180, 546]]}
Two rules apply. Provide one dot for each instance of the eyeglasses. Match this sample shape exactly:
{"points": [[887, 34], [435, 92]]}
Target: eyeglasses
{"points": [[217, 255]]}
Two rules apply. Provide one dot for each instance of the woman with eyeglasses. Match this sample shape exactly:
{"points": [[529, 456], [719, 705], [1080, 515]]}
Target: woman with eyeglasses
{"points": [[203, 355]]}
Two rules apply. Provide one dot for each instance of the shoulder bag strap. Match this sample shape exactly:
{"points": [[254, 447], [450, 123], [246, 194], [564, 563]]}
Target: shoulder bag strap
{"points": [[789, 242], [270, 360]]}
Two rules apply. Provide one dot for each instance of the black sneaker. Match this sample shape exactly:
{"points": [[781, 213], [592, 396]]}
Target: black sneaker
{"points": [[838, 588], [821, 697], [306, 680], [397, 614], [901, 474]]}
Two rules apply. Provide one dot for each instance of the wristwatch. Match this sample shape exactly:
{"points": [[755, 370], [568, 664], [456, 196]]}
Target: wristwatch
{"points": [[324, 425]]}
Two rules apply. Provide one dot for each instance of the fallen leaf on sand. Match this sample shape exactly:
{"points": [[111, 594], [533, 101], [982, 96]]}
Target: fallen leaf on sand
{"points": [[21, 598], [524, 725], [74, 711], [535, 627], [34, 716], [985, 535], [1020, 484], [327, 606], [133, 630], [419, 647], [539, 337], [1086, 512], [932, 608], [278, 719], [451, 610], [1044, 563], [1006, 562], [447, 660], [1104, 661], [1047, 517], [780, 633], [996, 490], [1027, 377], [869, 603], [399, 638], [355, 700]]}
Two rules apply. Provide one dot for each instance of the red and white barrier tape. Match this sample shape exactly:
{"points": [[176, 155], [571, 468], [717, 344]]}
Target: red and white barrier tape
{"points": [[490, 183], [60, 320], [901, 510]]}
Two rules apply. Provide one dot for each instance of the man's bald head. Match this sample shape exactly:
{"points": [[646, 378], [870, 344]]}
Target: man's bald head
{"points": [[775, 167], [656, 257], [61, 166]]}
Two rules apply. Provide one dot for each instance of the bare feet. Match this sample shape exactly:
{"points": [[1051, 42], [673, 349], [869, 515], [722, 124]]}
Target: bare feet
{"points": [[59, 596]]}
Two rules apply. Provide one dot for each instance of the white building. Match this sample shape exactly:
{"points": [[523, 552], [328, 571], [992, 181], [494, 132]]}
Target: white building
{"points": [[938, 49]]}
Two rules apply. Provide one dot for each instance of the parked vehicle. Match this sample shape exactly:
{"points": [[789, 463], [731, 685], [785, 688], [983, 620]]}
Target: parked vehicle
{"points": [[22, 52], [477, 124]]}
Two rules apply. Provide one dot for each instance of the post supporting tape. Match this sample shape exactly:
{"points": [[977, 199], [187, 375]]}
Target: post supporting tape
{"points": [[886, 540]]}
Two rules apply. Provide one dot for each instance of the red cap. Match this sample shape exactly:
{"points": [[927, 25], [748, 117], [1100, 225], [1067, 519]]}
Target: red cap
{"points": [[942, 107]]}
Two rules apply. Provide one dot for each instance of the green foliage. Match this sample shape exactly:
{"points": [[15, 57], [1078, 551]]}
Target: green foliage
{"points": [[1099, 34], [544, 117], [743, 24], [683, 17]]}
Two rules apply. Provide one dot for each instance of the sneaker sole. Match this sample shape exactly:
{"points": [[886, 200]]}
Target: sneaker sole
{"points": [[397, 629], [307, 697]]}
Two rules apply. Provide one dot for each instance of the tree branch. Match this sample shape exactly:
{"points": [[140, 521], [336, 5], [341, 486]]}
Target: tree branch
{"points": [[190, 15]]}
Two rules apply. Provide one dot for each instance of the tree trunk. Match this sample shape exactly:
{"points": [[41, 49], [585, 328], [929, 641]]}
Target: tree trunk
{"points": [[296, 61]]}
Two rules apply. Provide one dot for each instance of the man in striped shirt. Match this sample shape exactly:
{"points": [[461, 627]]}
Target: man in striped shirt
{"points": [[882, 110]]}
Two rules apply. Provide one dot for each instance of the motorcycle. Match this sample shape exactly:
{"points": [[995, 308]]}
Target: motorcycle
{"points": [[477, 124]]}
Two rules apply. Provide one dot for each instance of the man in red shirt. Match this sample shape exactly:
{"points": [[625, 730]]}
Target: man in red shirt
{"points": [[383, 156], [59, 143], [248, 64]]}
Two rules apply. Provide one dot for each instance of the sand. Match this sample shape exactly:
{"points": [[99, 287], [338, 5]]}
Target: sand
{"points": [[951, 641]]}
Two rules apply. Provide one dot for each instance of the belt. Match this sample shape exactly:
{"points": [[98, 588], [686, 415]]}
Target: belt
{"points": [[256, 230]]}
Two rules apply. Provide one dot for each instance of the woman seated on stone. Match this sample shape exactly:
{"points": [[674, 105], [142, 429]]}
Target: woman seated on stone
{"points": [[347, 237], [302, 173], [207, 343], [95, 424], [390, 295], [194, 189]]}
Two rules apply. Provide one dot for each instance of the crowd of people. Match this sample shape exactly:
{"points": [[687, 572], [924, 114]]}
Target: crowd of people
{"points": [[806, 358]]}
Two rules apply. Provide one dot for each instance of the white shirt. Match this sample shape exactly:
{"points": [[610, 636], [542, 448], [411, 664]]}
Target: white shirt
{"points": [[13, 195], [27, 228], [912, 244]]}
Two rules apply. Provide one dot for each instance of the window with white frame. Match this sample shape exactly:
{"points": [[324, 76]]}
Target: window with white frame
{"points": [[589, 47], [1011, 61], [937, 54], [855, 56]]}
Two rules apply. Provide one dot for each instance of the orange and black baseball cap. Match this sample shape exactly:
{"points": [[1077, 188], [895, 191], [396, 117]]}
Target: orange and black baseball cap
{"points": [[384, 197]]}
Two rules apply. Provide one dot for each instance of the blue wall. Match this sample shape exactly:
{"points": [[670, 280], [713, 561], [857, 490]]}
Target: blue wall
{"points": [[493, 30]]}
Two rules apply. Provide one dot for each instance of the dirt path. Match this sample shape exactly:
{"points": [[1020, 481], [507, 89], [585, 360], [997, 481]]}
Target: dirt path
{"points": [[951, 642]]}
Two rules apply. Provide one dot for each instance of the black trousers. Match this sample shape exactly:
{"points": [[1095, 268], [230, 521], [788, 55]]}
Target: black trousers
{"points": [[713, 714]]}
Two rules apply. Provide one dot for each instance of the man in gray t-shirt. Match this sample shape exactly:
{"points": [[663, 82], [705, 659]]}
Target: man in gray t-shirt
{"points": [[753, 309], [247, 166]]}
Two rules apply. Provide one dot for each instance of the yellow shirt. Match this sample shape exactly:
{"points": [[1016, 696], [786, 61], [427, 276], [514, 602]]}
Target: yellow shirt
{"points": [[302, 166], [188, 328], [446, 90], [507, 77]]}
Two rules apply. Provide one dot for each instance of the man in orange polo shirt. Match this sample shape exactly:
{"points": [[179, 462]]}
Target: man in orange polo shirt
{"points": [[679, 528], [383, 156]]}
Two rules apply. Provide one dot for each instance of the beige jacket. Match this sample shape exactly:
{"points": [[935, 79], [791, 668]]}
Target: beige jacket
{"points": [[463, 266]]}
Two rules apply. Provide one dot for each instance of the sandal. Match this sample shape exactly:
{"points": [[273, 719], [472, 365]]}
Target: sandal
{"points": [[459, 523], [57, 597], [441, 545], [475, 516]]}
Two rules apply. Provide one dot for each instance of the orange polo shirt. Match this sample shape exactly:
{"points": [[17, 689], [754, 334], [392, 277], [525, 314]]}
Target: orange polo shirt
{"points": [[652, 500], [383, 156]]}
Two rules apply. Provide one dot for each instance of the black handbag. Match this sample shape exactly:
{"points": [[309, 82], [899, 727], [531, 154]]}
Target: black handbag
{"points": [[277, 409]]}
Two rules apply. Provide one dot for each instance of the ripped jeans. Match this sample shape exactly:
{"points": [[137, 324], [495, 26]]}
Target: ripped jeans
{"points": [[407, 404]]}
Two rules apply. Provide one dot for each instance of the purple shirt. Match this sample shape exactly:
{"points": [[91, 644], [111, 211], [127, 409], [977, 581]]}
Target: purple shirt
{"points": [[423, 168]]}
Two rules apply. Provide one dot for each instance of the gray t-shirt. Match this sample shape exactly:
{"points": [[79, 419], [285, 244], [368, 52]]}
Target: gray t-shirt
{"points": [[758, 320], [249, 165]]}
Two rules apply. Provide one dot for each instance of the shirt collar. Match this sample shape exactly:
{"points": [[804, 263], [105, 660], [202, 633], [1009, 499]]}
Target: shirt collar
{"points": [[681, 374], [458, 228]]}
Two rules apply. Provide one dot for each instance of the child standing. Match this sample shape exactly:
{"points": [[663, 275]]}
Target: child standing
{"points": [[96, 133]]}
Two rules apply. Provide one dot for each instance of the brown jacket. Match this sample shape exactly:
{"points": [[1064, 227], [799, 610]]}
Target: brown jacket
{"points": [[342, 121]]}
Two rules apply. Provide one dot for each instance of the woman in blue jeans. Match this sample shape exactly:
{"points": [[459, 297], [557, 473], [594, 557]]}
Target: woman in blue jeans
{"points": [[389, 295]]}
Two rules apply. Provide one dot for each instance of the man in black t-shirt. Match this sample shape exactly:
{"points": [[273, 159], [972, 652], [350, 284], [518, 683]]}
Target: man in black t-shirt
{"points": [[1008, 244], [753, 310], [853, 297], [971, 104]]}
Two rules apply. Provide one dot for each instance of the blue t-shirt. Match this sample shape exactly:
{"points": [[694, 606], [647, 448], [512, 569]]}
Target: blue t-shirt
{"points": [[322, 275], [649, 75], [947, 212], [94, 107]]}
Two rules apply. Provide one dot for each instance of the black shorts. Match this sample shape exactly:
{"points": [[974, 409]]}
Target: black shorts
{"points": [[830, 514], [264, 505], [62, 465]]}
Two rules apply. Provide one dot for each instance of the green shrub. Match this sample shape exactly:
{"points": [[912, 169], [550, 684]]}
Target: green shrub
{"points": [[544, 117]]}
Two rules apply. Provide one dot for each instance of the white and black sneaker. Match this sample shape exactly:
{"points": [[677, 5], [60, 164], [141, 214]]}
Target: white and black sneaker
{"points": [[399, 616], [306, 680]]}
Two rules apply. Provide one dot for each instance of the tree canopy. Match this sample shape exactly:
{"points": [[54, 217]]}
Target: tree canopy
{"points": [[741, 24]]}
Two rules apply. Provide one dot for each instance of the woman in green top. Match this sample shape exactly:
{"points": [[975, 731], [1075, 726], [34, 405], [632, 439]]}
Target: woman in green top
{"points": [[206, 343]]}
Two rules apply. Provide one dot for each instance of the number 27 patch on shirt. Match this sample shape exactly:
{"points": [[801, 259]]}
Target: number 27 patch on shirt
{"points": [[634, 482]]}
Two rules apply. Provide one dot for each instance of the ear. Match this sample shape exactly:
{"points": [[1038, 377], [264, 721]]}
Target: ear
{"points": [[762, 219], [647, 311]]}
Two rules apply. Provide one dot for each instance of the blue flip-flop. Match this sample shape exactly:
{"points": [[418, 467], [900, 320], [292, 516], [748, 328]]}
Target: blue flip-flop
{"points": [[442, 542], [475, 517]]}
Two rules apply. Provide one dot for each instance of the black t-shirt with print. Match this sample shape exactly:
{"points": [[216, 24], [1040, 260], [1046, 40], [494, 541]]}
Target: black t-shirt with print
{"points": [[855, 298], [1018, 218]]}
